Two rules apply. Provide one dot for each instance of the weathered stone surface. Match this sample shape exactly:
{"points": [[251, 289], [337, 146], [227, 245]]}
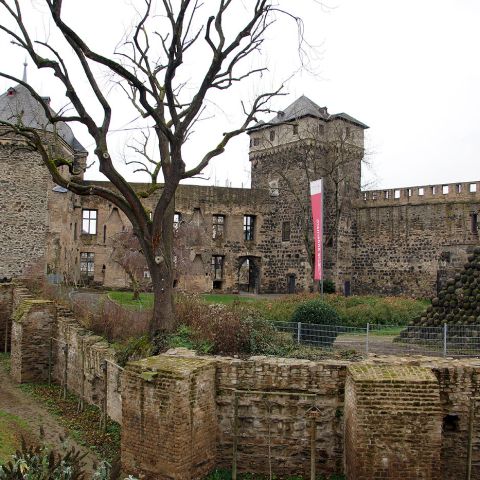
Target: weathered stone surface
{"points": [[169, 418], [393, 422]]}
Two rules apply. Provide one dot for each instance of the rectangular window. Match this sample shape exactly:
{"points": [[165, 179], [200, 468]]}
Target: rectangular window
{"points": [[272, 135], [177, 218], [396, 194], [87, 265], [89, 222], [146, 274], [386, 194], [421, 192], [434, 190], [256, 141], [285, 231], [273, 188], [218, 226], [459, 188], [217, 267], [474, 223], [473, 187], [75, 231], [445, 189], [248, 227], [295, 129], [321, 129], [409, 192]]}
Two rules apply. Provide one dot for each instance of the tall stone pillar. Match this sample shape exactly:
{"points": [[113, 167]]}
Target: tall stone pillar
{"points": [[169, 421]]}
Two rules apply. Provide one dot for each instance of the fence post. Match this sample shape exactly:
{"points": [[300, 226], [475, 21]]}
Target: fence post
{"points": [[50, 354], [299, 330], [65, 371], [366, 342], [445, 332]]}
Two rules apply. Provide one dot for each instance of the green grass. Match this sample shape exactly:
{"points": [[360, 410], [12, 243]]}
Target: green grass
{"points": [[355, 311], [11, 430], [82, 426], [126, 299]]}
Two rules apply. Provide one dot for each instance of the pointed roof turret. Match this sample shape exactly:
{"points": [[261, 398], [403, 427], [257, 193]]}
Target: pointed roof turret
{"points": [[18, 105], [304, 107]]}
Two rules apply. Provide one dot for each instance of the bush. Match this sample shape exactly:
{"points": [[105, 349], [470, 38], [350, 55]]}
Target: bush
{"points": [[317, 312]]}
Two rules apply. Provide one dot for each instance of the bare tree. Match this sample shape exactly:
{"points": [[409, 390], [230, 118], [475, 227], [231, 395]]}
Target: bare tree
{"points": [[127, 253], [147, 66]]}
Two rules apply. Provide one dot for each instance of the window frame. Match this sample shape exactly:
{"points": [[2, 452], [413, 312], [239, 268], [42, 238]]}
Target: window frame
{"points": [[91, 220], [218, 265], [249, 227], [87, 265], [218, 227]]}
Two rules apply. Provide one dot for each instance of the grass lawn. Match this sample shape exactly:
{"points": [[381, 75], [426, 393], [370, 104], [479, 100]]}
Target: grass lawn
{"points": [[355, 311], [11, 430], [146, 299]]}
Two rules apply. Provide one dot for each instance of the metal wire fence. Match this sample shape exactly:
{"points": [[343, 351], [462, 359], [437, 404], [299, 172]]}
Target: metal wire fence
{"points": [[445, 340]]}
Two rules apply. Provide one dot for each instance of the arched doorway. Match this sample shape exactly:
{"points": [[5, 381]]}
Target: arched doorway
{"points": [[249, 274]]}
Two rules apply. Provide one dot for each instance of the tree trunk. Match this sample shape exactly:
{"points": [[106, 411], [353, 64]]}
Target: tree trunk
{"points": [[161, 271]]}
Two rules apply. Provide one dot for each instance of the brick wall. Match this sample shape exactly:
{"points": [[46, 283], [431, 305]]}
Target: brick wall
{"points": [[392, 423], [169, 418]]}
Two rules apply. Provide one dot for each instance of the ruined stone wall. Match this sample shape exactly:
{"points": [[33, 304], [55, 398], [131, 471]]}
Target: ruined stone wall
{"points": [[411, 244], [88, 356], [392, 423], [6, 309], [38, 326], [24, 182], [275, 397]]}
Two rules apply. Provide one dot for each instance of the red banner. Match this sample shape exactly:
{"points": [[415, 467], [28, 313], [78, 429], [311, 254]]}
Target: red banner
{"points": [[316, 197]]}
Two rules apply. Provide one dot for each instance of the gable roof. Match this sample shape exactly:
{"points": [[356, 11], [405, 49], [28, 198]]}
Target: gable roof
{"points": [[17, 103], [304, 107]]}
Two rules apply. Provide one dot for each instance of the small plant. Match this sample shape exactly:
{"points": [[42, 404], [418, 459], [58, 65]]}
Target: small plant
{"points": [[317, 312]]}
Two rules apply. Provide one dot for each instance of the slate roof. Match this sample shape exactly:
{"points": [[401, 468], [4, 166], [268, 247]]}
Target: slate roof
{"points": [[304, 107], [17, 101]]}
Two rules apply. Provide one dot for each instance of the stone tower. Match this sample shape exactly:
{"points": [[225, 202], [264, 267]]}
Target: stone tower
{"points": [[300, 144], [33, 217]]}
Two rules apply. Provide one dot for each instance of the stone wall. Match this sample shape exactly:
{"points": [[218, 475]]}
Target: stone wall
{"points": [[6, 309], [39, 325], [411, 248], [389, 413], [169, 418], [24, 183]]}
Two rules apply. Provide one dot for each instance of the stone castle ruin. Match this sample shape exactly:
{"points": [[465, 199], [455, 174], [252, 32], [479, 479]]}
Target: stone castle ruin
{"points": [[396, 241]]}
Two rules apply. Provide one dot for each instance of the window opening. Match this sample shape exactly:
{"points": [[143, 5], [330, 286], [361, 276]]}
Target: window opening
{"points": [[248, 227], [177, 218], [218, 226], [285, 231], [445, 189], [396, 194], [421, 192], [474, 223], [217, 267], [87, 265], [272, 135], [473, 187], [89, 222]]}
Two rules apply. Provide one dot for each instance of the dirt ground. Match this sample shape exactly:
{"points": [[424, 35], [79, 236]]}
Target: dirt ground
{"points": [[15, 402]]}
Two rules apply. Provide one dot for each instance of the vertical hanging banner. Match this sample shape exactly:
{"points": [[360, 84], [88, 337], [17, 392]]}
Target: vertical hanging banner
{"points": [[316, 198]]}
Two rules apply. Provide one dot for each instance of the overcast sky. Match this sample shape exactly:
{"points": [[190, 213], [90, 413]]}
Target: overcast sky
{"points": [[409, 69]]}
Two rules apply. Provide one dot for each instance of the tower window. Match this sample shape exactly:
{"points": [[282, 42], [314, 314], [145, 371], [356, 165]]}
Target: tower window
{"points": [[445, 189], [473, 187], [248, 227], [272, 135], [421, 192], [89, 222], [295, 129], [256, 141], [396, 194]]}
